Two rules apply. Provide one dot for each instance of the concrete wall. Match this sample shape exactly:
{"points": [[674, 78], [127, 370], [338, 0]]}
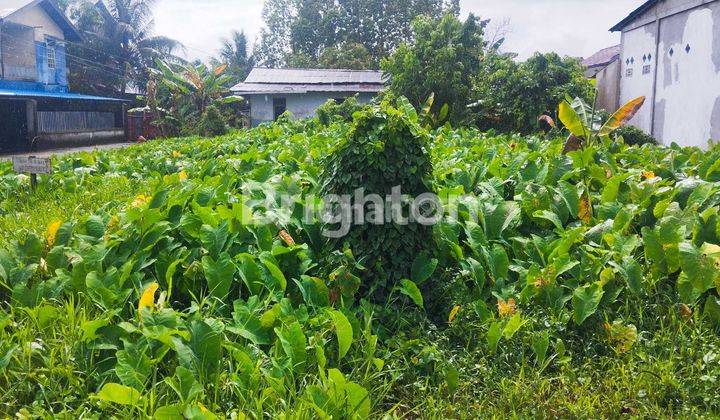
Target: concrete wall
{"points": [[37, 18], [682, 84], [637, 76], [687, 102], [608, 84], [17, 46], [301, 105]]}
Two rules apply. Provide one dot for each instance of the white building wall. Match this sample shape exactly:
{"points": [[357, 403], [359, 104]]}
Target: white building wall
{"points": [[636, 79], [302, 105], [36, 17], [683, 92]]}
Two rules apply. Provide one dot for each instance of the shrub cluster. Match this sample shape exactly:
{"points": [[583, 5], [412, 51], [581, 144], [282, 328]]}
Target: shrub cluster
{"points": [[385, 148]]}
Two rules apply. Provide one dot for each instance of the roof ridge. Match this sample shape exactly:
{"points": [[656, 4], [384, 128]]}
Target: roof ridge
{"points": [[317, 69]]}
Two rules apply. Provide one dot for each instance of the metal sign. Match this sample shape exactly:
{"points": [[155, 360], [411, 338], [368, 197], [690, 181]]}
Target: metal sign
{"points": [[32, 165]]}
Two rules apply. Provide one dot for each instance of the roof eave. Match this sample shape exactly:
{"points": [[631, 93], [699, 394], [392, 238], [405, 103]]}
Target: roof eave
{"points": [[633, 15]]}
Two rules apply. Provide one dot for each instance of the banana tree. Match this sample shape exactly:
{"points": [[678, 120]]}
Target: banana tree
{"points": [[194, 87], [586, 126]]}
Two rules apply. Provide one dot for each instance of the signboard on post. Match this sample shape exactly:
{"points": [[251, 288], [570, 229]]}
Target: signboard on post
{"points": [[32, 165]]}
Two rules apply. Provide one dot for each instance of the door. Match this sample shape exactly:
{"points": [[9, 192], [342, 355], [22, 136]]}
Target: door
{"points": [[13, 126], [279, 107]]}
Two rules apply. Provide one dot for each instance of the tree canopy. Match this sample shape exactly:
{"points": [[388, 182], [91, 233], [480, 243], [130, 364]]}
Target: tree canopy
{"points": [[301, 32]]}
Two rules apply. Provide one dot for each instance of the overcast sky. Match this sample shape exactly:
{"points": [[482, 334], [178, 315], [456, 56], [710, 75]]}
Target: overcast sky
{"points": [[570, 27]]}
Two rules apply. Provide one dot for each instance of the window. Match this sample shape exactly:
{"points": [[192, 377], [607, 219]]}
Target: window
{"points": [[50, 48], [279, 107]]}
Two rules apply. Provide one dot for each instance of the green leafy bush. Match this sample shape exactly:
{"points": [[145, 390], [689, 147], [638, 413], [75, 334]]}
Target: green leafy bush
{"points": [[331, 111], [384, 149], [212, 123], [634, 136]]}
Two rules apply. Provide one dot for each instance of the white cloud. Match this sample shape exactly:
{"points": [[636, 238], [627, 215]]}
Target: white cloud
{"points": [[569, 27], [577, 28], [200, 25]]}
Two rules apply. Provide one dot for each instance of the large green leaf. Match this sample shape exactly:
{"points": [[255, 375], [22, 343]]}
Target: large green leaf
{"points": [[571, 120], [423, 268], [219, 275], [294, 344], [506, 215], [698, 267], [343, 331], [206, 345], [410, 289], [585, 301], [133, 367], [119, 394]]}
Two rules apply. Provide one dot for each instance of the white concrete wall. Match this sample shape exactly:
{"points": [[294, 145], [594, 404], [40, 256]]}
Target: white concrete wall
{"points": [[687, 103], [683, 91], [37, 17], [635, 79], [608, 84], [300, 105]]}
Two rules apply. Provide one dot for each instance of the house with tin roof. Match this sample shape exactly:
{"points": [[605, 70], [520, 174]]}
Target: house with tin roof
{"points": [[272, 92], [37, 109], [670, 53]]}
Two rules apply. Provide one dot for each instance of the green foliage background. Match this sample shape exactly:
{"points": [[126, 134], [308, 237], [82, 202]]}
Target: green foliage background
{"points": [[586, 285]]}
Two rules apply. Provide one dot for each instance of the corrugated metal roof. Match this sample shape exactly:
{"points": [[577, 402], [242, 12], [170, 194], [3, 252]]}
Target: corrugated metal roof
{"points": [[602, 57], [278, 88], [313, 76], [5, 93]]}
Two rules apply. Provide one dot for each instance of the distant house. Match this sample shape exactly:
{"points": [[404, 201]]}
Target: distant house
{"points": [[604, 67], [271, 92], [670, 53], [36, 108]]}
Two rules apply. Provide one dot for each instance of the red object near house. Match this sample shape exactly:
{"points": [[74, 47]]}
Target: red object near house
{"points": [[141, 124]]}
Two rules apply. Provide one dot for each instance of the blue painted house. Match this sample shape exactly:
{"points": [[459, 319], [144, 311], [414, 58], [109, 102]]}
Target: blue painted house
{"points": [[37, 110]]}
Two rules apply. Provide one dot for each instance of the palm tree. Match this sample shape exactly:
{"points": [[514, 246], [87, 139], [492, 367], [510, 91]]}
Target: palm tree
{"points": [[234, 53], [124, 30]]}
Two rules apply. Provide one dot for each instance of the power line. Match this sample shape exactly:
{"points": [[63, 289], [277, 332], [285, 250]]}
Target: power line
{"points": [[97, 65]]}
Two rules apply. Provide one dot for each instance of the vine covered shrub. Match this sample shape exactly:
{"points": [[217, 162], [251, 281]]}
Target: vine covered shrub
{"points": [[212, 123], [386, 148], [634, 136], [332, 111]]}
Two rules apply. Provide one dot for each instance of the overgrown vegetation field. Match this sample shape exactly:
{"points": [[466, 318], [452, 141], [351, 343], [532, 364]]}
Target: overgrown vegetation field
{"points": [[141, 283]]}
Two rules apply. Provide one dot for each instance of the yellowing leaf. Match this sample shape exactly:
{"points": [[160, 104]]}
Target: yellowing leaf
{"points": [[140, 200], [686, 311], [547, 119], [51, 233], [571, 120], [147, 300], [585, 212], [221, 69], [649, 175], [506, 309], [453, 314], [289, 241], [622, 116], [621, 337]]}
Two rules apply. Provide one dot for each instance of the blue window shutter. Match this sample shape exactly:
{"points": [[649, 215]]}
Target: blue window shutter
{"points": [[61, 65], [41, 57]]}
